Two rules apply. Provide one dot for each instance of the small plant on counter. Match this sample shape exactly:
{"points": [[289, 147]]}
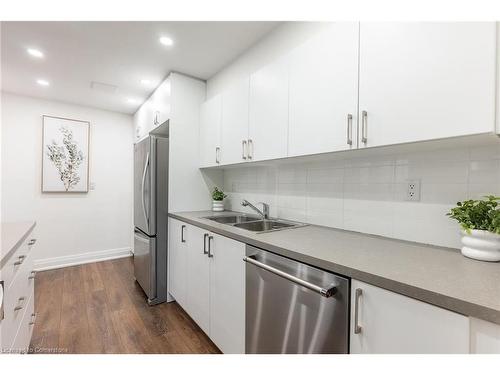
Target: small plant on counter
{"points": [[478, 214], [480, 221], [218, 195]]}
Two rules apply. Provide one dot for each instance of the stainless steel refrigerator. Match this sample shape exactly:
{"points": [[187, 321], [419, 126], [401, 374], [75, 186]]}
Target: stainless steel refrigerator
{"points": [[150, 214]]}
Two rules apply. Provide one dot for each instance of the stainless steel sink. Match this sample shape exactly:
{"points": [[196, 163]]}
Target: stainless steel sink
{"points": [[254, 223], [232, 219], [266, 225]]}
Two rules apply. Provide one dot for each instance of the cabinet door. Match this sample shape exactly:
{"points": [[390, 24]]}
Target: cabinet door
{"points": [[423, 81], [210, 121], [324, 91], [177, 260], [198, 289], [143, 120], [392, 323], [161, 103], [234, 122], [268, 111], [484, 337], [227, 295]]}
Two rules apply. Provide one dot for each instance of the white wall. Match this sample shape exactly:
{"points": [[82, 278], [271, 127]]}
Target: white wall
{"points": [[70, 227]]}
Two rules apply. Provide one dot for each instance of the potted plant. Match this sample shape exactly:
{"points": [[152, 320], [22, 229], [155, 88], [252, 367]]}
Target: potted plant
{"points": [[480, 222], [218, 199]]}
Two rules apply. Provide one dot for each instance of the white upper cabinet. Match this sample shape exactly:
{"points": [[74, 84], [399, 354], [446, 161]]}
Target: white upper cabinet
{"points": [[324, 91], [210, 132], [268, 112], [235, 122], [422, 81], [160, 103], [143, 120], [389, 323]]}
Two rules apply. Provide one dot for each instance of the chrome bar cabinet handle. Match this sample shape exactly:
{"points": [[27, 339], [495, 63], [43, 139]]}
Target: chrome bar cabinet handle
{"points": [[33, 319], [364, 127], [210, 254], [182, 233], [217, 155], [244, 150], [32, 275], [250, 149], [349, 129], [32, 242], [357, 327], [21, 301], [20, 260], [2, 298], [324, 292], [205, 236]]}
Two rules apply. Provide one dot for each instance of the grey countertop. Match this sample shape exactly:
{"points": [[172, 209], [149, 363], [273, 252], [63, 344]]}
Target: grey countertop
{"points": [[440, 276], [13, 234]]}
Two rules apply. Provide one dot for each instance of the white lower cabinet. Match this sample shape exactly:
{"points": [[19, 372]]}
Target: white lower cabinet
{"points": [[484, 337], [227, 294], [198, 278], [207, 272], [177, 260], [388, 322], [18, 298]]}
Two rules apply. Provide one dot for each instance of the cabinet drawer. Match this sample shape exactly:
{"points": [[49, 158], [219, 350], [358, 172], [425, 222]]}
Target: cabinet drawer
{"points": [[23, 337], [17, 297], [16, 260]]}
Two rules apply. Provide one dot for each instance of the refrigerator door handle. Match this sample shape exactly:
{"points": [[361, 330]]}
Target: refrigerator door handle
{"points": [[142, 189]]}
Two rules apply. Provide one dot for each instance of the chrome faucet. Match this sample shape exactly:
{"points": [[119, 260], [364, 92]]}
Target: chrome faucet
{"points": [[265, 208]]}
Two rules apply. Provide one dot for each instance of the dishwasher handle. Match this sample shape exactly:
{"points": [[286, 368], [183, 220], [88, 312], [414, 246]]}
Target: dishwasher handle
{"points": [[324, 292]]}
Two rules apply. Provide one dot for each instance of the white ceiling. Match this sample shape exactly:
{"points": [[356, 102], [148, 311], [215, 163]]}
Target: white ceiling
{"points": [[116, 53]]}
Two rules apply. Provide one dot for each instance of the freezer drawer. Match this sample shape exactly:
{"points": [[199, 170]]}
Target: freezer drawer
{"points": [[292, 307], [144, 262]]}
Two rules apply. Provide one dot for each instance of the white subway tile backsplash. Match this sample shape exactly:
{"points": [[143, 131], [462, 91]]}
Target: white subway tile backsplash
{"points": [[485, 152], [325, 218], [325, 176], [369, 194], [366, 191], [442, 193], [478, 191], [425, 222], [485, 171], [374, 217]]}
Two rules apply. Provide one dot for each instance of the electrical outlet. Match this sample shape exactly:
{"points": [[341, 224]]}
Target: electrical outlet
{"points": [[413, 190]]}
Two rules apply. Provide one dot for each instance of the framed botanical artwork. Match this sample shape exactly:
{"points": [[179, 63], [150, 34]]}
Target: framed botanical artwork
{"points": [[65, 164]]}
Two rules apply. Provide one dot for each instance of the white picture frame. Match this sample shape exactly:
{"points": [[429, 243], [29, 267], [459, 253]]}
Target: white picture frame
{"points": [[65, 155]]}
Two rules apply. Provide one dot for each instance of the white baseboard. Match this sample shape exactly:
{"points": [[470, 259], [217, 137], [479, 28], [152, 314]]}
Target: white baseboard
{"points": [[74, 260]]}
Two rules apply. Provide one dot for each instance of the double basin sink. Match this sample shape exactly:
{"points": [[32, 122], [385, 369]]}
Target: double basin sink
{"points": [[254, 223]]}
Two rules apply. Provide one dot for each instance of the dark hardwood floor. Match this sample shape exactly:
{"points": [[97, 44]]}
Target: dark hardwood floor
{"points": [[99, 308]]}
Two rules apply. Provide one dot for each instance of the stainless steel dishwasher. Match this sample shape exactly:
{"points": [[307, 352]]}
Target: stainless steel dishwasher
{"points": [[292, 307]]}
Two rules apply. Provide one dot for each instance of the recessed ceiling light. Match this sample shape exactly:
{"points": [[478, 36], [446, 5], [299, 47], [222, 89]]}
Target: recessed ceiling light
{"points": [[145, 82], [166, 41], [35, 52], [43, 82], [132, 101]]}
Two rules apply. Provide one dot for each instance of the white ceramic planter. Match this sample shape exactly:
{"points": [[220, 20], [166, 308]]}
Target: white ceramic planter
{"points": [[217, 206], [481, 245]]}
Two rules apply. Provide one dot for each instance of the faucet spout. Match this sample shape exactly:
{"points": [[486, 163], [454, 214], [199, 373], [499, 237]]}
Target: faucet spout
{"points": [[265, 208]]}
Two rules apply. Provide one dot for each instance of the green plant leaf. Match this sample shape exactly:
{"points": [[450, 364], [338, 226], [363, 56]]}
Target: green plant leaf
{"points": [[483, 214]]}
